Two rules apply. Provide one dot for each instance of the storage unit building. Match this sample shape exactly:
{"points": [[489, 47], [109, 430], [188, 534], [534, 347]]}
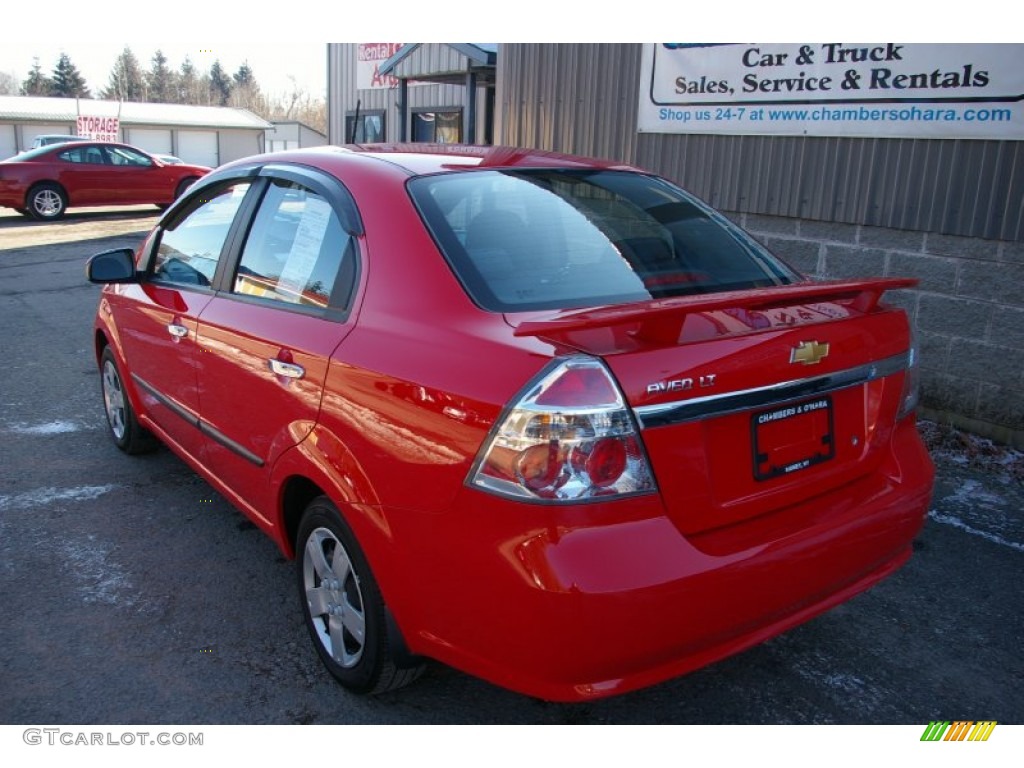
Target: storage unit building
{"points": [[203, 135]]}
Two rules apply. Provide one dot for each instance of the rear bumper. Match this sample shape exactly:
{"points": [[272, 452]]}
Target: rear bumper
{"points": [[573, 604]]}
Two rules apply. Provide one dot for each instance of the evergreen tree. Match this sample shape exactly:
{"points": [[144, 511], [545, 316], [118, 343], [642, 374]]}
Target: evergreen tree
{"points": [[126, 79], [246, 91], [186, 84], [220, 85], [244, 77], [36, 84], [67, 81], [160, 78]]}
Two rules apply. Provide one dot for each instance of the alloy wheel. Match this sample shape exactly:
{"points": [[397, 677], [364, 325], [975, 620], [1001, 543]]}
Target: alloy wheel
{"points": [[334, 598]]}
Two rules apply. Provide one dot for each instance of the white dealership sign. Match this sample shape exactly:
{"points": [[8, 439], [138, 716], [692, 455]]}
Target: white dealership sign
{"points": [[99, 128], [912, 90], [369, 57]]}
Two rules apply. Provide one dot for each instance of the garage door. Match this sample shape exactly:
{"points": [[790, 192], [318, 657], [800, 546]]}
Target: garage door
{"points": [[29, 132], [7, 146], [151, 140], [199, 147]]}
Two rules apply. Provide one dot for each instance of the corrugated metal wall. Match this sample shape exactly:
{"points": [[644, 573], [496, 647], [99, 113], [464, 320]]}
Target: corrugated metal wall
{"points": [[569, 98], [438, 59], [583, 98]]}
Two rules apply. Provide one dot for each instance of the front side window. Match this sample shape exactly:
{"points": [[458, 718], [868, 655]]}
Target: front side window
{"points": [[295, 248], [555, 239], [126, 156], [191, 246]]}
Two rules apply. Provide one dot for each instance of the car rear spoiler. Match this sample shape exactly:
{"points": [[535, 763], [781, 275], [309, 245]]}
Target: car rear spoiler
{"points": [[660, 318]]}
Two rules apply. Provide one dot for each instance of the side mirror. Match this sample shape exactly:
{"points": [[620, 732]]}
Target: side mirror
{"points": [[116, 266]]}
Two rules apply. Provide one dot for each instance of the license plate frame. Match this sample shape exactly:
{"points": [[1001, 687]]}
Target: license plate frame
{"points": [[792, 437]]}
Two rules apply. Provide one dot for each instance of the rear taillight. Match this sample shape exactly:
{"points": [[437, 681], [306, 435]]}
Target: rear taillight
{"points": [[569, 436], [911, 380]]}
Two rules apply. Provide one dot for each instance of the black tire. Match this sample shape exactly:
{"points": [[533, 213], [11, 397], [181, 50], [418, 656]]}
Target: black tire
{"points": [[46, 202], [183, 186], [336, 586], [125, 430]]}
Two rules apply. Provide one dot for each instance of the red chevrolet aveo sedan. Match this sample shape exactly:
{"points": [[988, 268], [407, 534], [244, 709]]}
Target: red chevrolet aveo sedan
{"points": [[43, 183], [552, 421]]}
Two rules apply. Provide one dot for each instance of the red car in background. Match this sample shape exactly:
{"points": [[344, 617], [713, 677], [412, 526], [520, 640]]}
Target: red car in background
{"points": [[45, 182], [552, 421]]}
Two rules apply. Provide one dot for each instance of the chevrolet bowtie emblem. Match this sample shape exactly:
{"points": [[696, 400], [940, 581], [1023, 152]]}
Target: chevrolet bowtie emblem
{"points": [[808, 352]]}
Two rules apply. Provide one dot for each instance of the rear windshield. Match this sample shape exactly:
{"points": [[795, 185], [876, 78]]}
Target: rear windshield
{"points": [[556, 239], [29, 154]]}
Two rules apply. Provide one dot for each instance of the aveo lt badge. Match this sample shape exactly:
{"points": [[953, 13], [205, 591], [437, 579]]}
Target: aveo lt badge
{"points": [[681, 385], [808, 352]]}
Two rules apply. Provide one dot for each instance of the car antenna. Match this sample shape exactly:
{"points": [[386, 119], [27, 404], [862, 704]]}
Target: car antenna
{"points": [[355, 121]]}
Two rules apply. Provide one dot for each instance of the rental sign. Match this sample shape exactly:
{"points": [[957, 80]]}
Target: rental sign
{"points": [[99, 128], [951, 90]]}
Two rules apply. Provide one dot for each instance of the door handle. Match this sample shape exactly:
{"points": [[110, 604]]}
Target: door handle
{"points": [[288, 370], [177, 331]]}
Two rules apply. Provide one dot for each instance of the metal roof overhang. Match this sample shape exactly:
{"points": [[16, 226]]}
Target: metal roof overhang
{"points": [[447, 63], [50, 109]]}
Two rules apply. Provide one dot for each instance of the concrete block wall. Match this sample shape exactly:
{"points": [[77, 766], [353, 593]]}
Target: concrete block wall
{"points": [[968, 309]]}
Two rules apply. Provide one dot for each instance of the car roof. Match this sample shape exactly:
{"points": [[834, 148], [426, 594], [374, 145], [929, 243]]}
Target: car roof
{"points": [[422, 159], [434, 158]]}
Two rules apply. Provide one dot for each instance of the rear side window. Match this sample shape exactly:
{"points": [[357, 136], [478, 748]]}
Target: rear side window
{"points": [[295, 248], [87, 155], [554, 239]]}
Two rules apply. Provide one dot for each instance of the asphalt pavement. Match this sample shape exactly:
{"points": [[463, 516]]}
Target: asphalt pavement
{"points": [[130, 592]]}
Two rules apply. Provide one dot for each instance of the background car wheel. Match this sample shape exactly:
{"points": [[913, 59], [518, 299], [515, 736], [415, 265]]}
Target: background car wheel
{"points": [[124, 428], [183, 186], [342, 604], [46, 202]]}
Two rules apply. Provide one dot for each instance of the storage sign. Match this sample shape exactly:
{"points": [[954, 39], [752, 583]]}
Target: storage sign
{"points": [[99, 128], [910, 90]]}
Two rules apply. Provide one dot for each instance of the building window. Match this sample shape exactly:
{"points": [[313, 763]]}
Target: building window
{"points": [[437, 127], [369, 127]]}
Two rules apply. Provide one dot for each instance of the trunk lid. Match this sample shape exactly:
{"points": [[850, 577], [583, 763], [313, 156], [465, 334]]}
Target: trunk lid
{"points": [[750, 401]]}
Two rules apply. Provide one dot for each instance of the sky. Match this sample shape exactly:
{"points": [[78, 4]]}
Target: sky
{"points": [[282, 40]]}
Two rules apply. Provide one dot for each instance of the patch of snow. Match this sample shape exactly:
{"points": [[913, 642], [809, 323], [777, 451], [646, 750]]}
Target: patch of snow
{"points": [[49, 428], [100, 579], [959, 524], [43, 496]]}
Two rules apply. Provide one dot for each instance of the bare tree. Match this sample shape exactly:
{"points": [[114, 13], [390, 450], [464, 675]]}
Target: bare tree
{"points": [[9, 84], [299, 105]]}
